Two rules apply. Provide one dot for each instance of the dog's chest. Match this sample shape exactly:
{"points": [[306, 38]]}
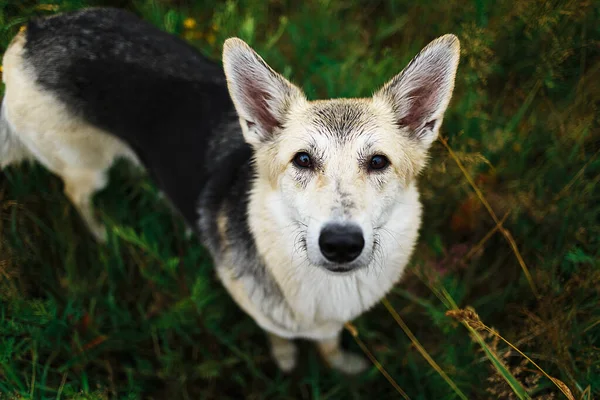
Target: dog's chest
{"points": [[317, 296], [311, 304]]}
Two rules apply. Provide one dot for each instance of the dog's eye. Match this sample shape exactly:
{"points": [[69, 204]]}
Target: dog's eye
{"points": [[378, 163], [302, 160]]}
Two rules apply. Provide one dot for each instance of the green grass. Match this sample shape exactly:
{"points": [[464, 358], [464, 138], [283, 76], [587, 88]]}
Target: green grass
{"points": [[144, 315]]}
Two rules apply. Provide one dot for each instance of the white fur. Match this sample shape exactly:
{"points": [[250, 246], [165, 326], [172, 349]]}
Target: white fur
{"points": [[323, 301]]}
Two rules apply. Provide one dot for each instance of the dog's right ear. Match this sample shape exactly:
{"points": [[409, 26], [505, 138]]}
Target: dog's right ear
{"points": [[261, 96]]}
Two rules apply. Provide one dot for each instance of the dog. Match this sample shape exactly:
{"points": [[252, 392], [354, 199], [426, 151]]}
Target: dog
{"points": [[309, 209]]}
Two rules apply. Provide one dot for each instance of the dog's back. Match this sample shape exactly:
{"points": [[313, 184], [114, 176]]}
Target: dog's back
{"points": [[100, 83]]}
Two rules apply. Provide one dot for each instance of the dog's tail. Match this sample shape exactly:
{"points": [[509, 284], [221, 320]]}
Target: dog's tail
{"points": [[12, 150]]}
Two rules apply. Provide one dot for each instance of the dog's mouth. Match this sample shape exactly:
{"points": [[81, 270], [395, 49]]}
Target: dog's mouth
{"points": [[343, 269], [340, 270]]}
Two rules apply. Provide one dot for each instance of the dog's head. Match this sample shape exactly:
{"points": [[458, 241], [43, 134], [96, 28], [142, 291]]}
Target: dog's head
{"points": [[335, 169]]}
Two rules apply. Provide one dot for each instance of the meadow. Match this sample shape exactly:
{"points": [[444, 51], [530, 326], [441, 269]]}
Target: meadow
{"points": [[501, 299]]}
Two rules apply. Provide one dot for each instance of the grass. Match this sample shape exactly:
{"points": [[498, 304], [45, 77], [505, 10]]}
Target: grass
{"points": [[145, 317]]}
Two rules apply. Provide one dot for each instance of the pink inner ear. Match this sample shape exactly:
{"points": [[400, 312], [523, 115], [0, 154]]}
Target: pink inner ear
{"points": [[422, 103], [256, 100]]}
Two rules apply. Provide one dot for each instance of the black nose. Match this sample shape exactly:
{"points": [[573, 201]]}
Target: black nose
{"points": [[341, 243]]}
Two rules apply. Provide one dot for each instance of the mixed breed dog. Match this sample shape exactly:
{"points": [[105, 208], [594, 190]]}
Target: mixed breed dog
{"points": [[309, 209]]}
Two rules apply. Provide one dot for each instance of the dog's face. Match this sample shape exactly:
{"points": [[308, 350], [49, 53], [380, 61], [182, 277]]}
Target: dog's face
{"points": [[336, 170]]}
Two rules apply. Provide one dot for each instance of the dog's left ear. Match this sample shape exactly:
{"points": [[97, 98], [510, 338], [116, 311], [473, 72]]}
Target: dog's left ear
{"points": [[420, 94], [261, 96]]}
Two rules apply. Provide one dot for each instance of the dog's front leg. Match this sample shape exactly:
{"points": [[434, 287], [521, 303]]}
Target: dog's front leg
{"points": [[283, 351], [337, 358]]}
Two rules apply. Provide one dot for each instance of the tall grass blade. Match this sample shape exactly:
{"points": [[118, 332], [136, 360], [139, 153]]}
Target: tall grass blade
{"points": [[421, 349]]}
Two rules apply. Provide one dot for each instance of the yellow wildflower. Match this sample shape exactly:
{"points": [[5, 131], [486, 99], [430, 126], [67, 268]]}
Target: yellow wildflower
{"points": [[189, 23]]}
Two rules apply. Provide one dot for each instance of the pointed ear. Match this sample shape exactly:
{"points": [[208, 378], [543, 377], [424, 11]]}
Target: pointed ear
{"points": [[420, 94], [261, 96]]}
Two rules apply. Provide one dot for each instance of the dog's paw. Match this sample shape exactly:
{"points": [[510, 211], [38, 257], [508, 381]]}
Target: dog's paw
{"points": [[348, 363], [284, 355]]}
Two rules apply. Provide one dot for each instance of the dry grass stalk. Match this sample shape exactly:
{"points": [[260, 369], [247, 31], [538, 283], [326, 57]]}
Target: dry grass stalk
{"points": [[354, 332], [503, 230], [421, 349], [469, 317]]}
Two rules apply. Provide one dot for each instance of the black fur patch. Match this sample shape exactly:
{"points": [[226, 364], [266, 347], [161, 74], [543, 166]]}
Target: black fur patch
{"points": [[143, 85]]}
